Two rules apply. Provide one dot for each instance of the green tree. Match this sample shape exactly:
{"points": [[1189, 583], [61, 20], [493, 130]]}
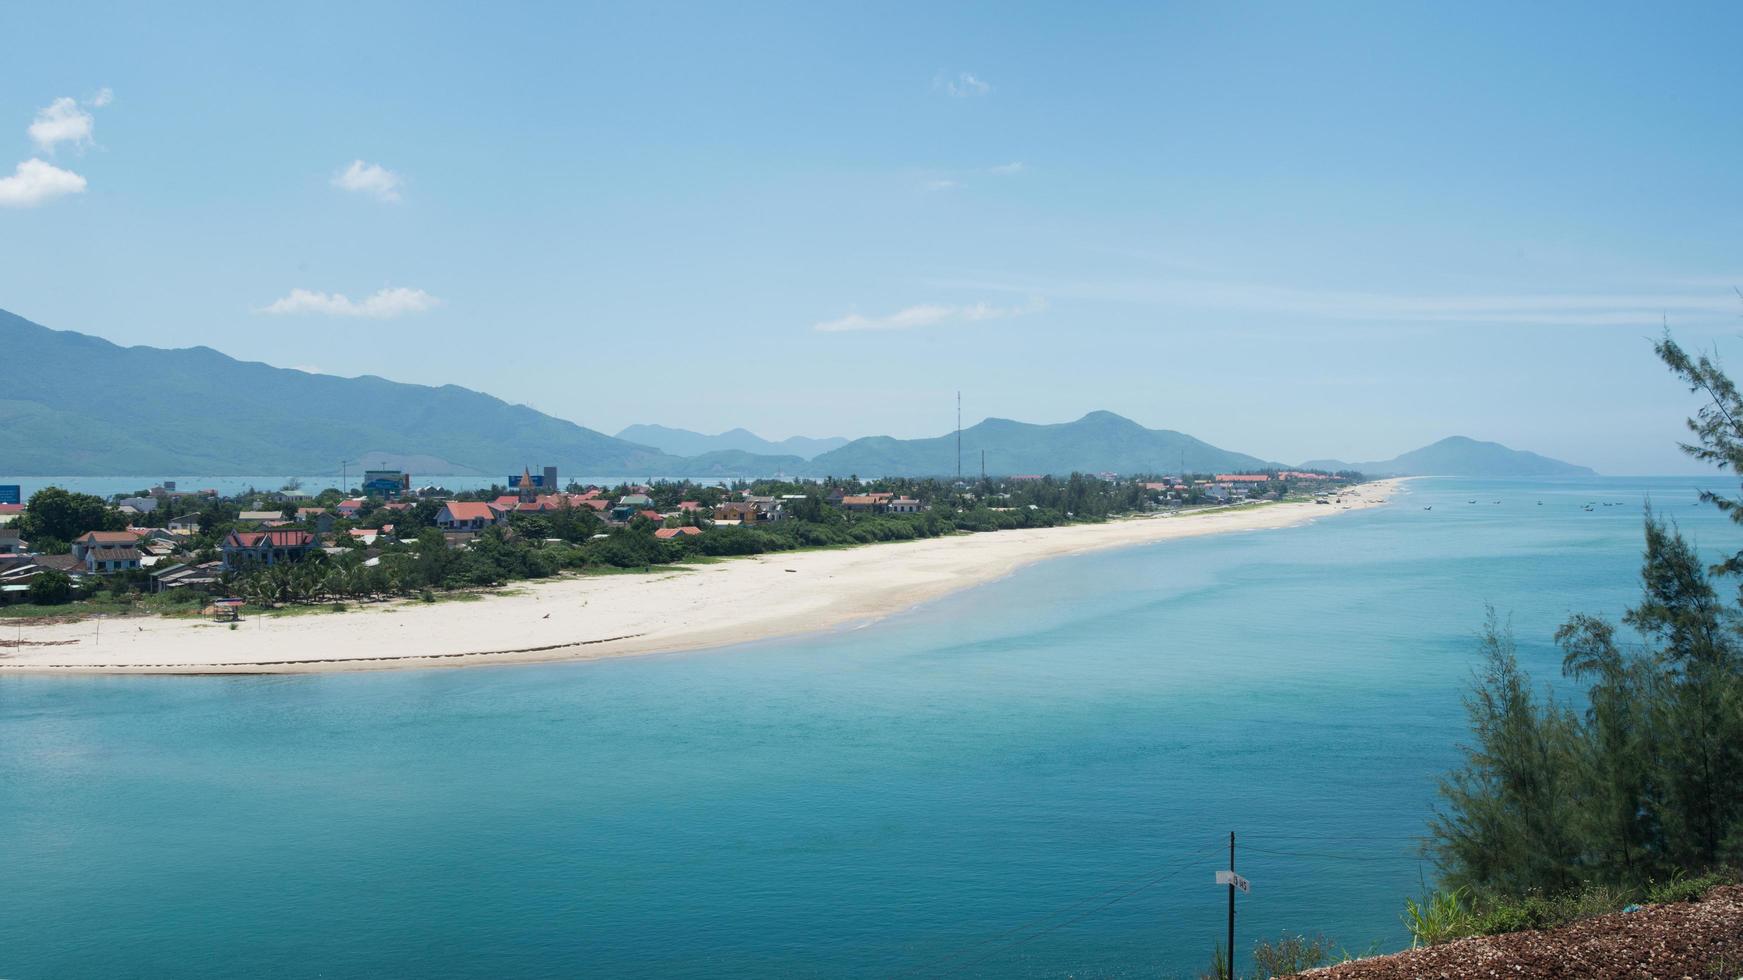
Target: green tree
{"points": [[1649, 782], [50, 588], [1617, 747], [54, 517], [1511, 812]]}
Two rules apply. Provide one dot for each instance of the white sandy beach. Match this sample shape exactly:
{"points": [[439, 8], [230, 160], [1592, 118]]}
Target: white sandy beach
{"points": [[588, 617]]}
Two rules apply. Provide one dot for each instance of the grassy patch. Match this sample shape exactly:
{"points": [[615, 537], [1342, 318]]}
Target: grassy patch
{"points": [[470, 596], [1445, 916], [71, 611], [1685, 889]]}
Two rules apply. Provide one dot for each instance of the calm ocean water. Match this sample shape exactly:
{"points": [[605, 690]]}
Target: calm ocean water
{"points": [[1034, 778]]}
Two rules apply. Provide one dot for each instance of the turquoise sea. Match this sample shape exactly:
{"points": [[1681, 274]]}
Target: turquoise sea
{"points": [[1035, 778]]}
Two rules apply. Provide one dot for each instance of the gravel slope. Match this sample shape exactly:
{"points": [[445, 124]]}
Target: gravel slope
{"points": [[1694, 939]]}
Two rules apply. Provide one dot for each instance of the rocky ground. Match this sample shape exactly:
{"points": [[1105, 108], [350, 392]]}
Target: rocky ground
{"points": [[1691, 939]]}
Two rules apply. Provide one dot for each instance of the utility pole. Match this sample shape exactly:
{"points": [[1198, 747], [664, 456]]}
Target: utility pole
{"points": [[345, 475], [1231, 905], [983, 466]]}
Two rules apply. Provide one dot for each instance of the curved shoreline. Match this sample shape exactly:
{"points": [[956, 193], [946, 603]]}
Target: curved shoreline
{"points": [[588, 618]]}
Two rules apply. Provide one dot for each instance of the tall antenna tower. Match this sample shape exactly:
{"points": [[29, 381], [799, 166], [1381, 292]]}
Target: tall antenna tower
{"points": [[959, 436]]}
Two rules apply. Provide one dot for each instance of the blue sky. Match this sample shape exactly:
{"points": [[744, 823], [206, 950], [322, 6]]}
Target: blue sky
{"points": [[1292, 230]]}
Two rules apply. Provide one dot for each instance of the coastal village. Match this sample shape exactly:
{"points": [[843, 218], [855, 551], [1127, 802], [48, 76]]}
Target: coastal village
{"points": [[197, 546]]}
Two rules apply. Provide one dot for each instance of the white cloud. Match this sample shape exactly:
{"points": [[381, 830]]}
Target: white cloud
{"points": [[1008, 169], [369, 178], [35, 182], [382, 305], [942, 185], [964, 86], [929, 315], [104, 96], [62, 121]]}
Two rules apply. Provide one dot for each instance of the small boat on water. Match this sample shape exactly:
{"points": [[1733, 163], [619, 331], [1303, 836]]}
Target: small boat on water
{"points": [[1429, 507]]}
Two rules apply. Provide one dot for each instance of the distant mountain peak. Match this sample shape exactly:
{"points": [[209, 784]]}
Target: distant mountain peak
{"points": [[1461, 456], [685, 442], [1098, 442], [157, 415]]}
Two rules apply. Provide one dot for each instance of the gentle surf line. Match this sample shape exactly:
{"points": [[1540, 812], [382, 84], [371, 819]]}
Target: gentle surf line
{"points": [[768, 596]]}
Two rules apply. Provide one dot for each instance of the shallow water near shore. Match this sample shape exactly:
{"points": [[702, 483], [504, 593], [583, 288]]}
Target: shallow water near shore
{"points": [[1032, 778]]}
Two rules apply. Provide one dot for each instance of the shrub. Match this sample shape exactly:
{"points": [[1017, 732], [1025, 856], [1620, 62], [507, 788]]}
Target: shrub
{"points": [[1219, 964], [1290, 954], [1438, 918], [1688, 889], [50, 588]]}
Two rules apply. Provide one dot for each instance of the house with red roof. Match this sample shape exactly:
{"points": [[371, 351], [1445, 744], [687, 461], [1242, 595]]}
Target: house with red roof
{"points": [[466, 515], [318, 518], [242, 548], [668, 533], [548, 502], [349, 508]]}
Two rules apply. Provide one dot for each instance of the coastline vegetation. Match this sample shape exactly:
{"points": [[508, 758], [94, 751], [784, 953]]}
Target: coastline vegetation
{"points": [[412, 558], [1630, 791]]}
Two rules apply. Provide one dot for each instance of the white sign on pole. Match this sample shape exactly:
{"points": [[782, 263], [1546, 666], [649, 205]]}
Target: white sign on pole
{"points": [[1230, 878]]}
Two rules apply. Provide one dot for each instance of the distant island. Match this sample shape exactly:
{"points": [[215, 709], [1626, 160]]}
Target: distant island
{"points": [[198, 411], [1461, 456]]}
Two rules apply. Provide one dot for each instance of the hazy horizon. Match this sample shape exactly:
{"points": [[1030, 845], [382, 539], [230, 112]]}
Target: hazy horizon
{"points": [[1293, 232], [969, 421]]}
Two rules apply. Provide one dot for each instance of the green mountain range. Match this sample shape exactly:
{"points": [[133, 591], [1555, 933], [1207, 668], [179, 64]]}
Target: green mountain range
{"points": [[1100, 442], [77, 405]]}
